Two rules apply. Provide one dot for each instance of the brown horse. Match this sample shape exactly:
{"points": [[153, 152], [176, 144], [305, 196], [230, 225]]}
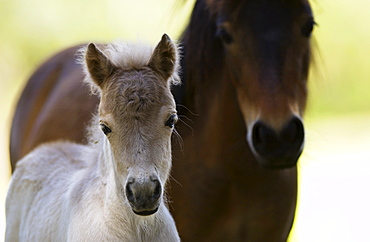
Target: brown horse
{"points": [[245, 67]]}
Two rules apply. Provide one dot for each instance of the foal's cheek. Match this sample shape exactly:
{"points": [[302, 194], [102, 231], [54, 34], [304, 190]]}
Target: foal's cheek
{"points": [[121, 164], [164, 160]]}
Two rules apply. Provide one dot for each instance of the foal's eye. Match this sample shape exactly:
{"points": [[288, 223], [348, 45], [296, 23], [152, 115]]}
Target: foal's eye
{"points": [[171, 121], [105, 129], [308, 27], [225, 36]]}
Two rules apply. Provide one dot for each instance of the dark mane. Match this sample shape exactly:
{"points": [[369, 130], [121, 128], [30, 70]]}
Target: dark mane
{"points": [[200, 61]]}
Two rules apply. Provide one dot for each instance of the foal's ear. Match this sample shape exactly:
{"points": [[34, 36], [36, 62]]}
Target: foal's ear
{"points": [[164, 58], [98, 65]]}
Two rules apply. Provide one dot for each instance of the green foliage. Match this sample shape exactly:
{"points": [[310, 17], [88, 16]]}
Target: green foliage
{"points": [[33, 30], [341, 78]]}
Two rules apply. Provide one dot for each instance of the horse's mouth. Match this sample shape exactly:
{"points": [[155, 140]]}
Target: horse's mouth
{"points": [[277, 163], [145, 212]]}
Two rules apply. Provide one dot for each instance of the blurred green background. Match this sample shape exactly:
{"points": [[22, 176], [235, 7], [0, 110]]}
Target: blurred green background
{"points": [[335, 167]]}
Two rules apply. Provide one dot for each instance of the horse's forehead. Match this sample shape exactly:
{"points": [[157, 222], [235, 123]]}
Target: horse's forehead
{"points": [[262, 14], [269, 12], [269, 21]]}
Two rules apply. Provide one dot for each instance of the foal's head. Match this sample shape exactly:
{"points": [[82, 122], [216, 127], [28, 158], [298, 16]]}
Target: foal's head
{"points": [[137, 115], [267, 48]]}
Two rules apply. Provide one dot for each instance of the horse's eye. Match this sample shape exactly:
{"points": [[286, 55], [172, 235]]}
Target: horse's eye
{"points": [[171, 121], [225, 36], [308, 27], [105, 129]]}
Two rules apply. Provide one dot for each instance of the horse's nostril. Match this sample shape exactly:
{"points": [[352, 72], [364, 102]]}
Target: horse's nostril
{"points": [[257, 133], [293, 131], [262, 135], [280, 146]]}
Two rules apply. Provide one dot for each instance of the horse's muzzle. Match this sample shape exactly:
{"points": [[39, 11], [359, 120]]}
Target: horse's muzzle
{"points": [[144, 195], [277, 150]]}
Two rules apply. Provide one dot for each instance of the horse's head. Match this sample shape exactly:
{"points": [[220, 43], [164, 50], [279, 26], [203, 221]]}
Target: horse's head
{"points": [[137, 115], [267, 49]]}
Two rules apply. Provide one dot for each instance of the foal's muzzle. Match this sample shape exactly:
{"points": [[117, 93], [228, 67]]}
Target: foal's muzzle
{"points": [[144, 195], [276, 150]]}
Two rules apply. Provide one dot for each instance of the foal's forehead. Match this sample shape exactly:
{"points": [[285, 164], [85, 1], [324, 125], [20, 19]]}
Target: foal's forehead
{"points": [[136, 91]]}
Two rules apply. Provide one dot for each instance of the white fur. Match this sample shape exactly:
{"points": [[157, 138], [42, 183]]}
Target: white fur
{"points": [[70, 192], [55, 197], [128, 55]]}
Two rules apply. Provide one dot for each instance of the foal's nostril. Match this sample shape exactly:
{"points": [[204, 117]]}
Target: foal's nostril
{"points": [[157, 190], [129, 194], [144, 195]]}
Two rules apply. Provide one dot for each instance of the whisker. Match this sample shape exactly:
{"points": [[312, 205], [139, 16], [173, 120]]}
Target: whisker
{"points": [[183, 116], [192, 130], [173, 179], [168, 190], [183, 106], [179, 140]]}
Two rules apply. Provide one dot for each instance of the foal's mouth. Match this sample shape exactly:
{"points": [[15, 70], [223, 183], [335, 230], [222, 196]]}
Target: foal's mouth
{"points": [[146, 212]]}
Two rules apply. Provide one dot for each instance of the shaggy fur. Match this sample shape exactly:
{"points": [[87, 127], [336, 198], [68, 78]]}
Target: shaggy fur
{"points": [[126, 55], [70, 192]]}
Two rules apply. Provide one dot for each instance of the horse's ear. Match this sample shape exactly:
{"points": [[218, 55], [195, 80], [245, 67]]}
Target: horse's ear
{"points": [[98, 65], [164, 58]]}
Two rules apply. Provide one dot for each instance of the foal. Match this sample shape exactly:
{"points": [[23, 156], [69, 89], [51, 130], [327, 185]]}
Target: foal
{"points": [[113, 188]]}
